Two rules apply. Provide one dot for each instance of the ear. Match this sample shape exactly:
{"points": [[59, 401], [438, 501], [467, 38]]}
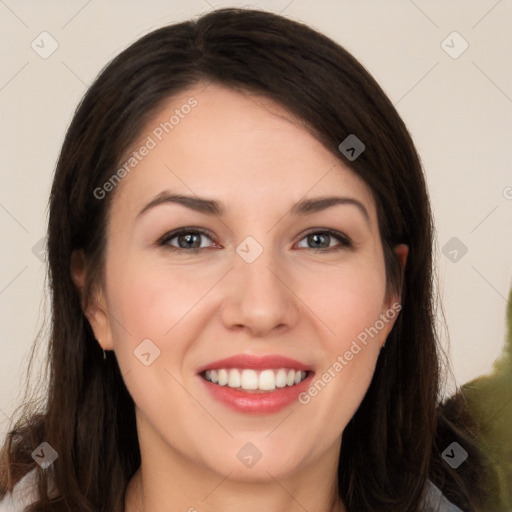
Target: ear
{"points": [[402, 250], [392, 305], [94, 307]]}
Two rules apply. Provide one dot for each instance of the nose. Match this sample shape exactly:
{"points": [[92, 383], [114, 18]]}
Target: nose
{"points": [[259, 296]]}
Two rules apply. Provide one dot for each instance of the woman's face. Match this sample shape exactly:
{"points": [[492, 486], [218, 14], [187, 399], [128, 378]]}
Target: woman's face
{"points": [[262, 270]]}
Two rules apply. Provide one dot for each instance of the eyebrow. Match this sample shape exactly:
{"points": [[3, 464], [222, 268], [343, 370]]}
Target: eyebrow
{"points": [[213, 207]]}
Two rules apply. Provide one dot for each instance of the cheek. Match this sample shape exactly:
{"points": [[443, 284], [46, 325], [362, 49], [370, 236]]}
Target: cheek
{"points": [[149, 300], [348, 362], [348, 298], [147, 303]]}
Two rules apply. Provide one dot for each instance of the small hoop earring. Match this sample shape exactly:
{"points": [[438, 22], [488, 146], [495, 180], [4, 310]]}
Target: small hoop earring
{"points": [[104, 354]]}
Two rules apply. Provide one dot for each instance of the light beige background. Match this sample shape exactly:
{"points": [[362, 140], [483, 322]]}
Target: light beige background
{"points": [[459, 111]]}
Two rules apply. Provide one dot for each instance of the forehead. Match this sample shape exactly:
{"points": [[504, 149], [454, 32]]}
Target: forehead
{"points": [[214, 141]]}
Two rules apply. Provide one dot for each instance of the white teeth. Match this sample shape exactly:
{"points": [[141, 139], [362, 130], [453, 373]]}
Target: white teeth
{"points": [[247, 379], [234, 378], [223, 377], [267, 380], [281, 378]]}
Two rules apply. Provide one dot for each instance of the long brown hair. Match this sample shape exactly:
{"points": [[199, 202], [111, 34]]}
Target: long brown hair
{"points": [[389, 448]]}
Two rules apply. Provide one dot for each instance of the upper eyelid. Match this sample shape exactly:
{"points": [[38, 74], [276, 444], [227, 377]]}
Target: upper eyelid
{"points": [[176, 232]]}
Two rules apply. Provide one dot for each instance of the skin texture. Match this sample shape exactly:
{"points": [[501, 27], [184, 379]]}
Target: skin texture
{"points": [[258, 161]]}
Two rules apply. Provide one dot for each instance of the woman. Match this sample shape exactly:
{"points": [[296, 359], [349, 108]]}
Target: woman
{"points": [[240, 256]]}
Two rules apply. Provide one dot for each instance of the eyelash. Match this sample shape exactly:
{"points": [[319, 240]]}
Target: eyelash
{"points": [[345, 242]]}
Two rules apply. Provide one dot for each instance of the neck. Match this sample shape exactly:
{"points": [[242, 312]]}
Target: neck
{"points": [[145, 493], [172, 478]]}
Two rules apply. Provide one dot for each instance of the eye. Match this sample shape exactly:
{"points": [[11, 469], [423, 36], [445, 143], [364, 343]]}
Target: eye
{"points": [[322, 241], [186, 239], [191, 240]]}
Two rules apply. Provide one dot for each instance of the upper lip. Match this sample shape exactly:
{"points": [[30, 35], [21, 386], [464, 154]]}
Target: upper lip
{"points": [[253, 362]]}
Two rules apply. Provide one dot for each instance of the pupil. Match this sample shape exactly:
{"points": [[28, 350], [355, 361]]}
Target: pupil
{"points": [[190, 238], [316, 238]]}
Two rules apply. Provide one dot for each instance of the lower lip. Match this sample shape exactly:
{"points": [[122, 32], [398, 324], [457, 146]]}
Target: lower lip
{"points": [[257, 403]]}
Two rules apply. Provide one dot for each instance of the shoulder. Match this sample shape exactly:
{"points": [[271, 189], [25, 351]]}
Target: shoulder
{"points": [[435, 501], [23, 494]]}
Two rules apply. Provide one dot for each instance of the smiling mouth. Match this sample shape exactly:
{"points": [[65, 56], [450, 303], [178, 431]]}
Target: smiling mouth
{"points": [[255, 381]]}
